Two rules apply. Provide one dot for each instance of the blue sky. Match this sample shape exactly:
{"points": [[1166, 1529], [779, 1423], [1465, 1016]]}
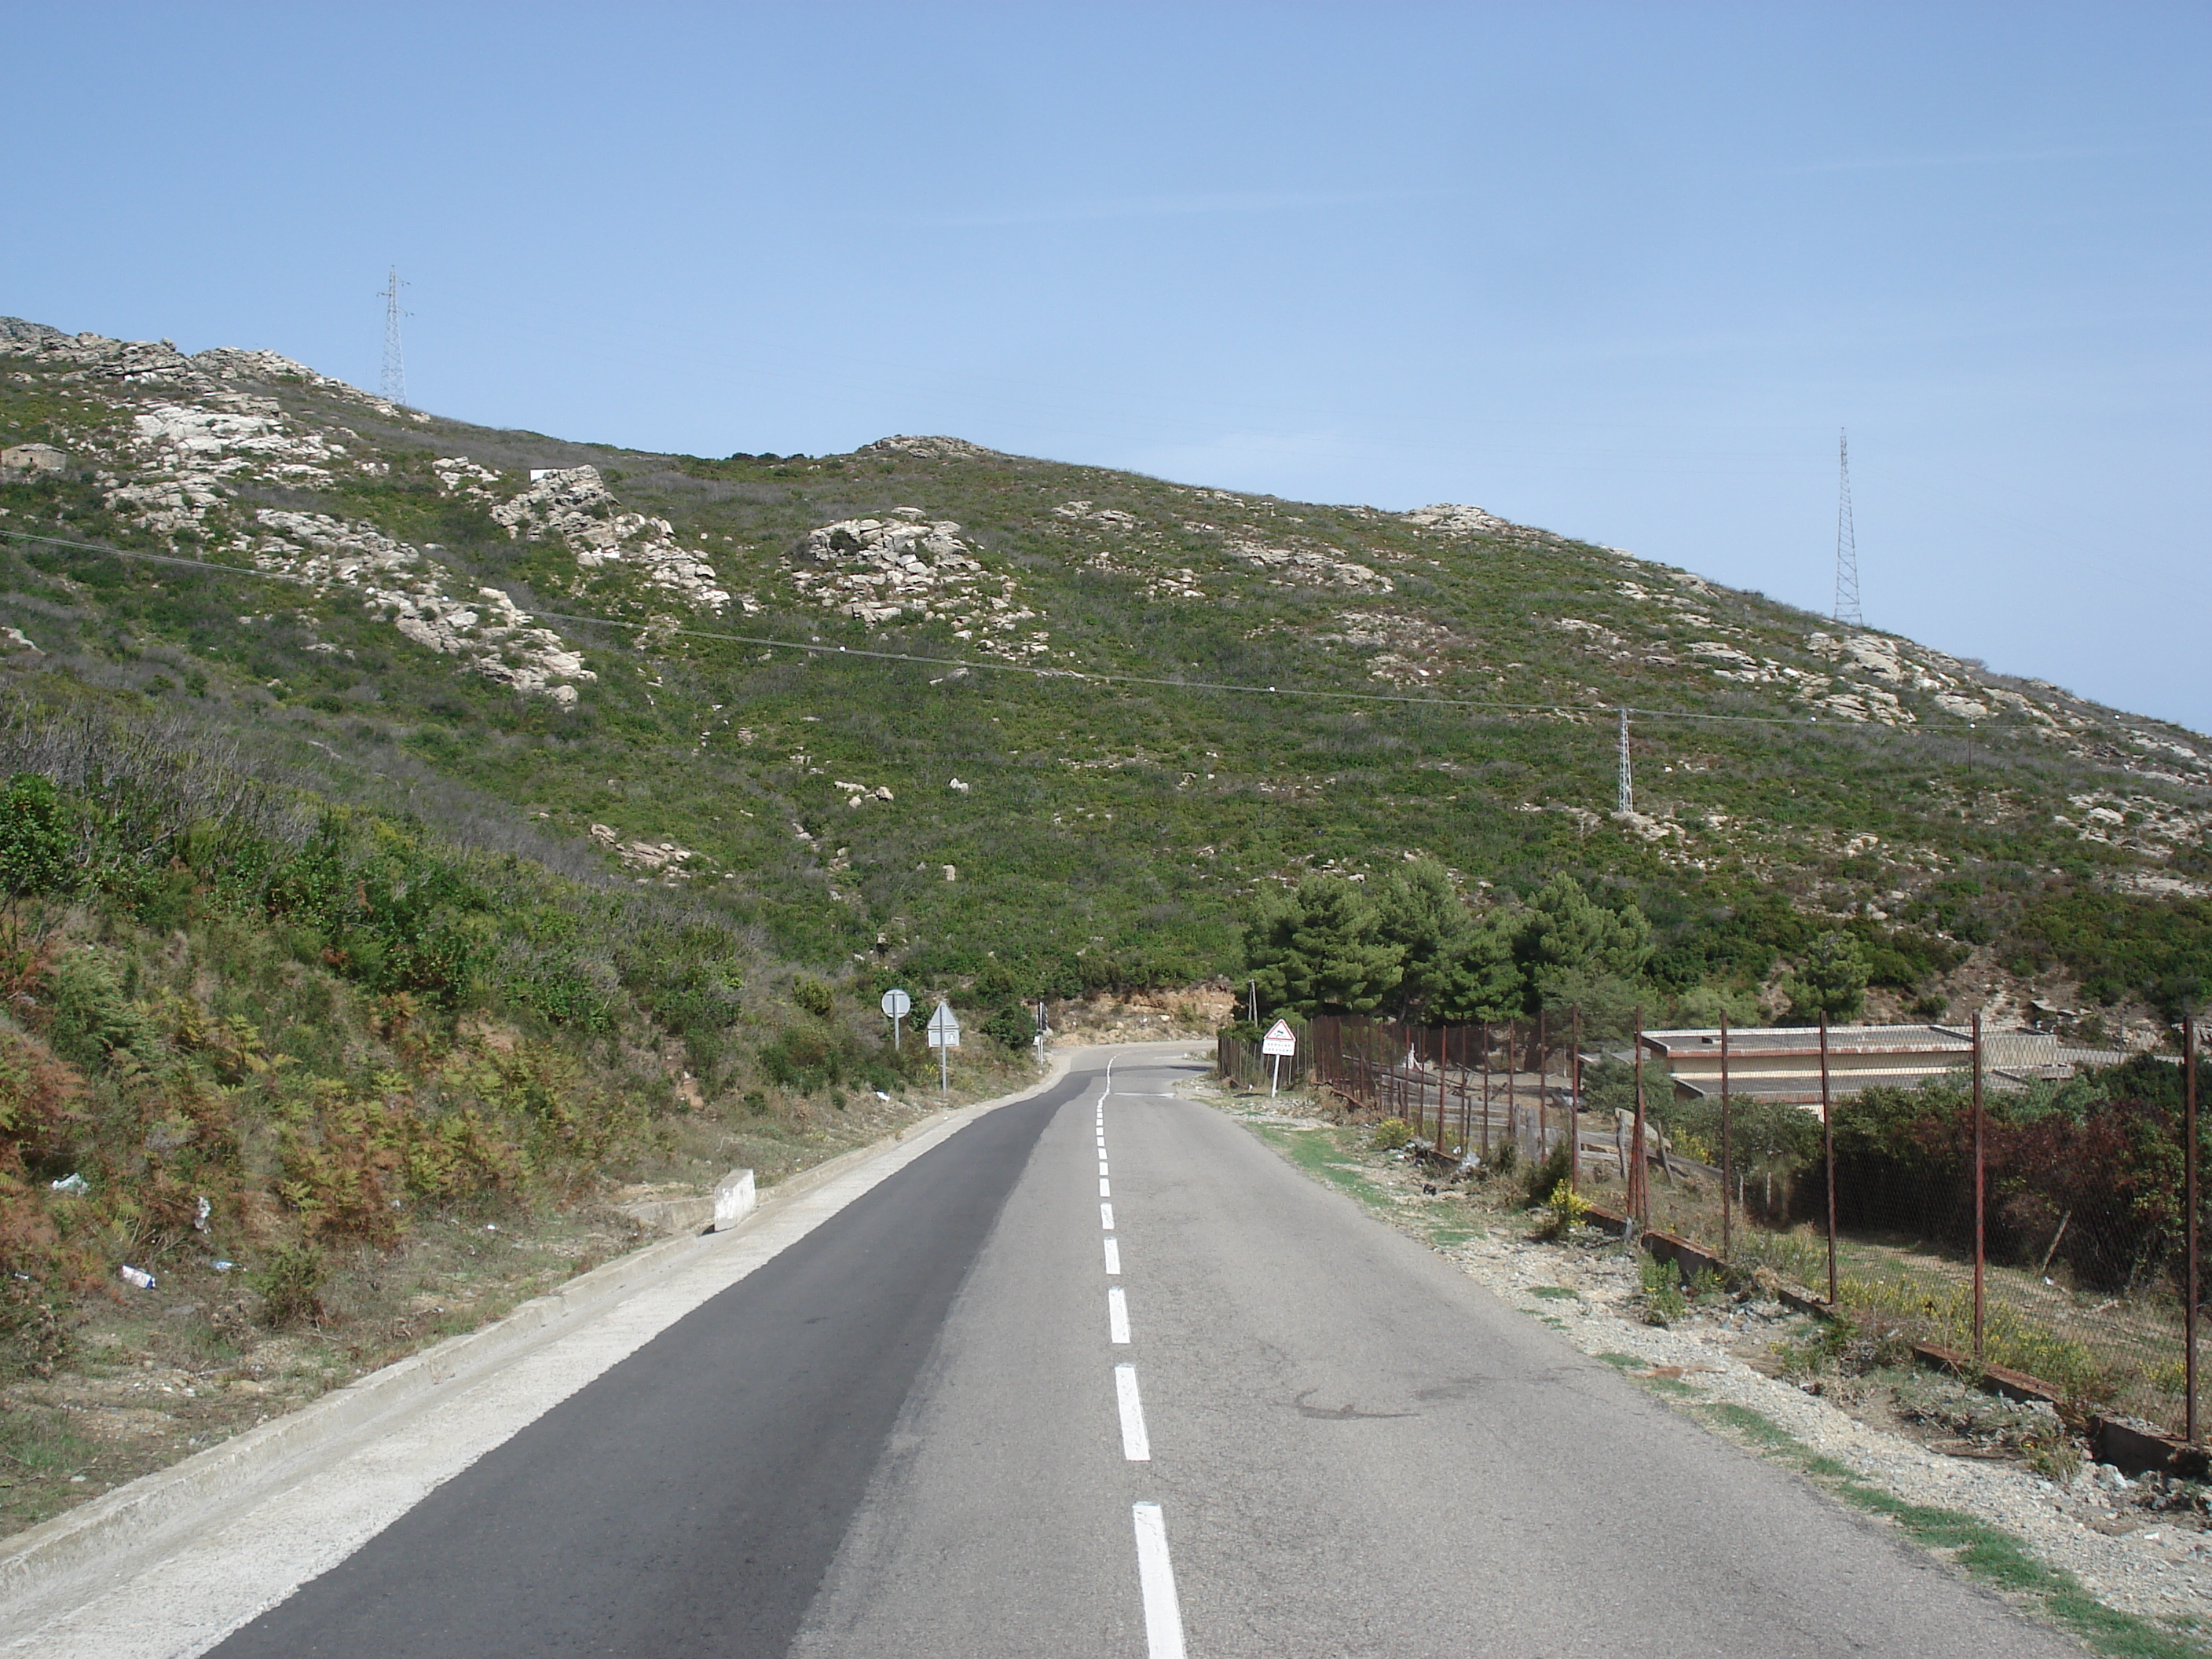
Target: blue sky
{"points": [[1621, 271]]}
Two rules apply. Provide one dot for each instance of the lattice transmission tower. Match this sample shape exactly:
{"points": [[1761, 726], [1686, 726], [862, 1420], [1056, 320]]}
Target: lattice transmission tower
{"points": [[395, 360], [1847, 543], [1626, 799]]}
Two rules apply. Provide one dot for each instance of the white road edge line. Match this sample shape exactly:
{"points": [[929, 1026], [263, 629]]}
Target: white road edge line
{"points": [[1135, 1447], [1104, 1191], [1117, 1315], [1113, 1257], [1106, 1216], [1156, 1580]]}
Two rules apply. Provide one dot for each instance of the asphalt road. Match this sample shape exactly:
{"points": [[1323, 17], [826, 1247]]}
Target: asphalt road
{"points": [[1102, 1375]]}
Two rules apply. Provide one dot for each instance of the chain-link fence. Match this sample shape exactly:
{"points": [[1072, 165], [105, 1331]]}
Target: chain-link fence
{"points": [[1941, 1187]]}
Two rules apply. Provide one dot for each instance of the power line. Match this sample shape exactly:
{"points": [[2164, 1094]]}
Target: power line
{"points": [[1561, 710], [395, 360], [1847, 541]]}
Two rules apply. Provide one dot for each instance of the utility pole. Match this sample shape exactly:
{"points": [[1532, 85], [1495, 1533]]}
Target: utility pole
{"points": [[395, 363], [1847, 545], [1626, 801]]}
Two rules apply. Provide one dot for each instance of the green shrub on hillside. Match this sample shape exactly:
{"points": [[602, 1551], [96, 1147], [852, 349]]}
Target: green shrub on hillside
{"points": [[35, 842], [2125, 947], [1832, 980]]}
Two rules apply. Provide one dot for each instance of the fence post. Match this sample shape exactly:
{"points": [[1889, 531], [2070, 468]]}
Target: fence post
{"points": [[1981, 1191], [1727, 1164], [1466, 1121], [2188, 1166], [1543, 1078], [1639, 1183], [1485, 1093], [1444, 1083], [1828, 1149], [1575, 1104], [1513, 1083]]}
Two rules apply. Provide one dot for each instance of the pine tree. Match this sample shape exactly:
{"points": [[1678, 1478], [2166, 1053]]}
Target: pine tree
{"points": [[1569, 946], [1319, 951]]}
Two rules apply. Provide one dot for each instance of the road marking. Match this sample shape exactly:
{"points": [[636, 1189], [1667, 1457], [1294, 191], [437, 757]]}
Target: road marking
{"points": [[1135, 1445], [1106, 1216], [1117, 1315], [1104, 1191], [1156, 1578], [1102, 1166], [1113, 1257]]}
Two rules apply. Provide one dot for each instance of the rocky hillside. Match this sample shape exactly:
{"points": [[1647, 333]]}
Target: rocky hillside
{"points": [[969, 719]]}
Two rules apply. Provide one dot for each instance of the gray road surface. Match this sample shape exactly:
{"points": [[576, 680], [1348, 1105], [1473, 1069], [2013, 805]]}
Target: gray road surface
{"points": [[914, 1433]]}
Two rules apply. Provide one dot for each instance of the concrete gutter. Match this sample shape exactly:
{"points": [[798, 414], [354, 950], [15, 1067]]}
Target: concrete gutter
{"points": [[108, 1537]]}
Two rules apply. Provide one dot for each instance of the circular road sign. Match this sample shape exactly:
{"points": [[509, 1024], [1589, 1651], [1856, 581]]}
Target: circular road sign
{"points": [[897, 1005]]}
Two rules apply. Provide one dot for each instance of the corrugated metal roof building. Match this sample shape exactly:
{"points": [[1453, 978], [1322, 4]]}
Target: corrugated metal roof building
{"points": [[1783, 1063]]}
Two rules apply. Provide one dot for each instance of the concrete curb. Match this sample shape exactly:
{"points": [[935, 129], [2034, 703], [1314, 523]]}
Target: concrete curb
{"points": [[120, 1525]]}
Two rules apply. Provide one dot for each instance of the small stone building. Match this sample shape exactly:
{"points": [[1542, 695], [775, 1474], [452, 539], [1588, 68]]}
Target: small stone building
{"points": [[30, 460]]}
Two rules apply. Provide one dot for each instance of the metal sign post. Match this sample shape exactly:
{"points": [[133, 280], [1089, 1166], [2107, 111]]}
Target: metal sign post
{"points": [[897, 1006], [944, 1032], [1279, 1041]]}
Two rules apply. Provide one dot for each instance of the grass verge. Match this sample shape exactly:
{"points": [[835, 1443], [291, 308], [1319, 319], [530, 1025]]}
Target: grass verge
{"points": [[1987, 1554]]}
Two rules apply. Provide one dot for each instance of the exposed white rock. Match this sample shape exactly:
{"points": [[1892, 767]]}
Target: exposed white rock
{"points": [[1457, 518], [664, 859], [487, 631], [1409, 650], [158, 362], [574, 504], [1718, 651], [1083, 513], [1309, 566], [1674, 602], [1863, 704], [460, 476], [909, 567], [929, 449]]}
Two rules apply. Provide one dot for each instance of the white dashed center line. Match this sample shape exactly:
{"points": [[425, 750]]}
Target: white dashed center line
{"points": [[1135, 1445], [1156, 1579], [1163, 1637]]}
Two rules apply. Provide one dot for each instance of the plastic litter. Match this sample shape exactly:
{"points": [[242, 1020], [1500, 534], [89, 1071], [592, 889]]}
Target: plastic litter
{"points": [[490, 1228], [226, 1267], [137, 1276], [74, 1185], [200, 1220]]}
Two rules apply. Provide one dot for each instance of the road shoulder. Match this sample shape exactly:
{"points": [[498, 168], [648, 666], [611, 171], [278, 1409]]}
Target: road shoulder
{"points": [[444, 1407], [2005, 1529]]}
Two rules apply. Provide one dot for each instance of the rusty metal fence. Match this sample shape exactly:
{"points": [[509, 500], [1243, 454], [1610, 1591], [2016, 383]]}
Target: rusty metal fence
{"points": [[1239, 1061], [2052, 1240]]}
